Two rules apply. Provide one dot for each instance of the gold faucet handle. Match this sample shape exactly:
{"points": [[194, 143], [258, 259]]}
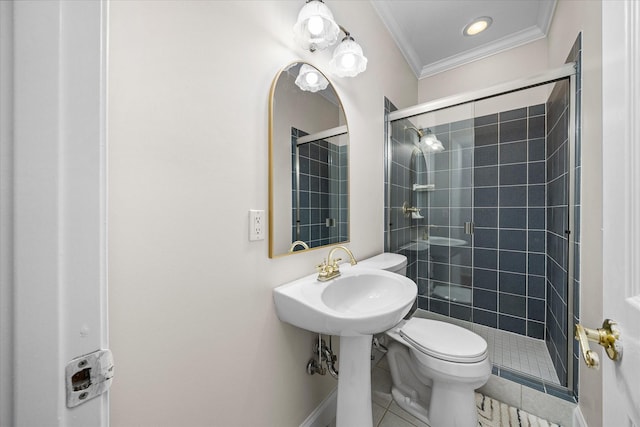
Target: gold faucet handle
{"points": [[334, 264], [326, 269], [322, 268]]}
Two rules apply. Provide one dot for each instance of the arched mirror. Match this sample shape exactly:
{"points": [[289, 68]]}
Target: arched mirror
{"points": [[308, 162]]}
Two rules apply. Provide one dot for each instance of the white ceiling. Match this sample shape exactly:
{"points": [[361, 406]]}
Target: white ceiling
{"points": [[429, 32]]}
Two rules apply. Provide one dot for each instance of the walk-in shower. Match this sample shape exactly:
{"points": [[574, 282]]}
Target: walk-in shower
{"points": [[490, 233]]}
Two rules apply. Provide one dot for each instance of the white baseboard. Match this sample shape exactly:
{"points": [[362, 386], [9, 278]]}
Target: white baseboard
{"points": [[325, 413], [578, 418]]}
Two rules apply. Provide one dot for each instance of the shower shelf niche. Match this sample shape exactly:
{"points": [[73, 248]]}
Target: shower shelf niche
{"points": [[424, 187]]}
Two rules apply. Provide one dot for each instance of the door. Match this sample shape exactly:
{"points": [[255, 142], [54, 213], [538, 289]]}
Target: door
{"points": [[53, 209], [621, 185]]}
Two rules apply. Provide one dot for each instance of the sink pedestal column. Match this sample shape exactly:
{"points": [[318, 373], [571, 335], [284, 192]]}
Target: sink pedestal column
{"points": [[354, 384]]}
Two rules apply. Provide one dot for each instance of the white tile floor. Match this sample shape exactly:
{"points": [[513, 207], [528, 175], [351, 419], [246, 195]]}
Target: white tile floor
{"points": [[506, 349]]}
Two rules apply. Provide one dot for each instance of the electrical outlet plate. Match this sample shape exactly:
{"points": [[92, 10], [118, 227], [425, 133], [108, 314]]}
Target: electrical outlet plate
{"points": [[256, 224]]}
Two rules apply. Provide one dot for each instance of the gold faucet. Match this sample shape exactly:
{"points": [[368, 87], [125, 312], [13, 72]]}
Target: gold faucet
{"points": [[298, 243], [329, 268]]}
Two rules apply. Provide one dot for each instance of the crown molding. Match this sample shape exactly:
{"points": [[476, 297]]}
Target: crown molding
{"points": [[395, 30], [545, 15], [528, 35], [520, 38]]}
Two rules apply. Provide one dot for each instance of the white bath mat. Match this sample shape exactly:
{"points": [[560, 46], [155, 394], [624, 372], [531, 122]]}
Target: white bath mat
{"points": [[492, 413]]}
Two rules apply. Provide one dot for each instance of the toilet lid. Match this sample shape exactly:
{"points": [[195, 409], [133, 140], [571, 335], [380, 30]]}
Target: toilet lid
{"points": [[444, 340]]}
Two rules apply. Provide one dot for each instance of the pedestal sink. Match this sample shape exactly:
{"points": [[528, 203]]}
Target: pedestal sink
{"points": [[359, 303]]}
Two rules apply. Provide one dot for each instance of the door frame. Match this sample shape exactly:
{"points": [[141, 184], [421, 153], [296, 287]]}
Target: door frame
{"points": [[55, 205]]}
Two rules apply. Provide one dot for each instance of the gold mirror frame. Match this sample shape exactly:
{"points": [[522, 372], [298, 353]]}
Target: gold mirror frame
{"points": [[277, 167]]}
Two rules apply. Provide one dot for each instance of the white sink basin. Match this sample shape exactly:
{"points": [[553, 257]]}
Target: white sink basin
{"points": [[360, 301]]}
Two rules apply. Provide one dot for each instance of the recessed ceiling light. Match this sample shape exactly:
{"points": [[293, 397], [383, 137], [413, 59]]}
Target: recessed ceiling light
{"points": [[477, 26]]}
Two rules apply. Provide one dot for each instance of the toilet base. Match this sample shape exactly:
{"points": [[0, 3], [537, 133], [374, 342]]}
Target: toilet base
{"points": [[449, 408], [407, 390], [453, 406], [432, 401], [411, 405]]}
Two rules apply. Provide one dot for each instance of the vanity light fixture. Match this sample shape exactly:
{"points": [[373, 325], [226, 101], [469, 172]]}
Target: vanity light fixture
{"points": [[477, 26], [310, 79], [315, 28], [348, 59]]}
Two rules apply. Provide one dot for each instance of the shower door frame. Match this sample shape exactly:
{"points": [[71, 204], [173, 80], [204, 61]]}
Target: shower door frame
{"points": [[567, 71]]}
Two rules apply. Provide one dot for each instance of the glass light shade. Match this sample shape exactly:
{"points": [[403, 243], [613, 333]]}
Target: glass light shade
{"points": [[348, 59], [437, 146], [315, 29], [310, 79], [432, 142]]}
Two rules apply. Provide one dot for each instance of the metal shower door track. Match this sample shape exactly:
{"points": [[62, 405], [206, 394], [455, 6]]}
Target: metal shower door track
{"points": [[567, 70]]}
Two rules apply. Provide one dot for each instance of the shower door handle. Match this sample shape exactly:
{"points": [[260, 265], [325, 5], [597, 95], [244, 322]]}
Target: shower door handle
{"points": [[608, 337], [468, 228]]}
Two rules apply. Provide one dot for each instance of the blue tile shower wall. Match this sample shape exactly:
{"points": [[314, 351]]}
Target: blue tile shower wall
{"points": [[557, 226], [557, 159], [446, 273], [323, 192], [398, 189], [492, 174]]}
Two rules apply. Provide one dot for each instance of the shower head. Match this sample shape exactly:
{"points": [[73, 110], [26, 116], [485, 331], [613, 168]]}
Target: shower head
{"points": [[426, 139]]}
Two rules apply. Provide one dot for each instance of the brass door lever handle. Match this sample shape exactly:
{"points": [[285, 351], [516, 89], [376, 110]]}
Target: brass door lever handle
{"points": [[608, 337]]}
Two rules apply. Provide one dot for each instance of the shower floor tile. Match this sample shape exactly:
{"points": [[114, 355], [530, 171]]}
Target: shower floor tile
{"points": [[517, 352]]}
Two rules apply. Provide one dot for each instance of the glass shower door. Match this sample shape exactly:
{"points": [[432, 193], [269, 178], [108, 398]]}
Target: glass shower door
{"points": [[431, 206], [484, 223], [448, 267]]}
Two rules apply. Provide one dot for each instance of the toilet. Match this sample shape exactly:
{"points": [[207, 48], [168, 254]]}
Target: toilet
{"points": [[435, 366], [395, 263]]}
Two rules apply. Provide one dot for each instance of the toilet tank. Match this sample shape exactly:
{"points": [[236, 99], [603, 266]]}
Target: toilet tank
{"points": [[395, 263]]}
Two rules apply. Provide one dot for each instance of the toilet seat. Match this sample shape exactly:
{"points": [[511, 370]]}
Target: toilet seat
{"points": [[444, 341]]}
